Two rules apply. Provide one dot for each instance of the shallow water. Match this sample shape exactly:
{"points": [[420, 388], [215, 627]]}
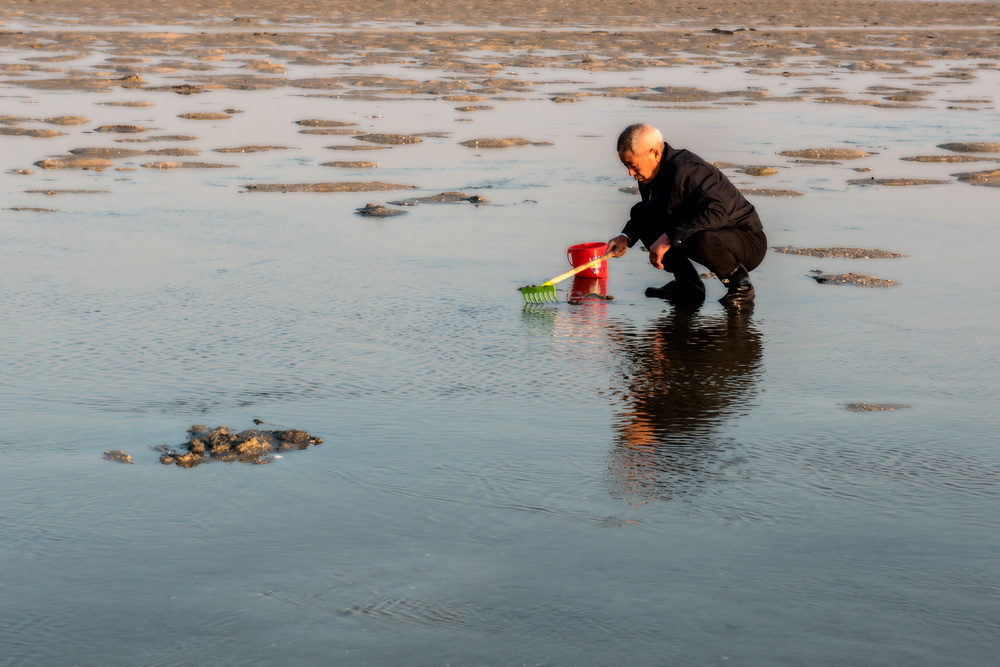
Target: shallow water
{"points": [[616, 481]]}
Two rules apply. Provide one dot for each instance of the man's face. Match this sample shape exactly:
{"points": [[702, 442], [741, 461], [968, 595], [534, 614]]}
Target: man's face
{"points": [[641, 165]]}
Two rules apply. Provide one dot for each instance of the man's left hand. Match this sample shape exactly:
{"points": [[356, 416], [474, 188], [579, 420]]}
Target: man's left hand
{"points": [[658, 250]]}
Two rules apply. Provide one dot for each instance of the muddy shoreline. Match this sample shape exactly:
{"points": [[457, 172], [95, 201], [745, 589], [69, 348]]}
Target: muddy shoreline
{"points": [[588, 13]]}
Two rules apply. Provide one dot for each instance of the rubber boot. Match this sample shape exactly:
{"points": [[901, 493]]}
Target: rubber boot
{"points": [[686, 285], [739, 289]]}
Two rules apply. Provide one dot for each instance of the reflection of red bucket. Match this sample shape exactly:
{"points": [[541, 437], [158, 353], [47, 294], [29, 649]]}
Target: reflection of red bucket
{"points": [[582, 253], [588, 287]]}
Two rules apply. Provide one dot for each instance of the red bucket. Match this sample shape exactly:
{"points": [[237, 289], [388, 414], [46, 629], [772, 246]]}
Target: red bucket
{"points": [[582, 253]]}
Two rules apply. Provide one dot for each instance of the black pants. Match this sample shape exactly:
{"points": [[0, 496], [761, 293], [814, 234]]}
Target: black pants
{"points": [[720, 250]]}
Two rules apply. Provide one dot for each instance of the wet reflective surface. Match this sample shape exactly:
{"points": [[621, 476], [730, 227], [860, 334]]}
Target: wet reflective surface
{"points": [[608, 481]]}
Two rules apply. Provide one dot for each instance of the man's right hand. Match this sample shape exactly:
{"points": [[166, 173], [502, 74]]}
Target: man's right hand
{"points": [[618, 245]]}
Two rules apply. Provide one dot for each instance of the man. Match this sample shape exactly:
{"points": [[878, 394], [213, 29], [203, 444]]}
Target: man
{"points": [[689, 211]]}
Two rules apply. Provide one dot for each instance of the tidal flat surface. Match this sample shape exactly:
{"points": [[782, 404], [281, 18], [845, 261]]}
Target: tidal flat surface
{"points": [[614, 481]]}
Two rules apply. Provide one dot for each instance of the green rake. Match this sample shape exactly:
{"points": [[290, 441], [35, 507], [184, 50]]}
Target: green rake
{"points": [[546, 292]]}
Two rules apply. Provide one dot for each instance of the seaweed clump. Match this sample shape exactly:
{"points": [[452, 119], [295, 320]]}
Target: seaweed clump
{"points": [[222, 444]]}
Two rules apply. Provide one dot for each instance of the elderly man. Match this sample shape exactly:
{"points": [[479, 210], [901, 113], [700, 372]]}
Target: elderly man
{"points": [[689, 211]]}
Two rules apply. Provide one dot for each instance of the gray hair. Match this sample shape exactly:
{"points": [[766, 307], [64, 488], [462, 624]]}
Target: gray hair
{"points": [[636, 136]]}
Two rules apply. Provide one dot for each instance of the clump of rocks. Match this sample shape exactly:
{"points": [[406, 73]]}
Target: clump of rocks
{"points": [[222, 444]]}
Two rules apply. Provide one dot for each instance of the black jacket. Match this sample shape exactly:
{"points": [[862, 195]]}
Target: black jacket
{"points": [[686, 196]]}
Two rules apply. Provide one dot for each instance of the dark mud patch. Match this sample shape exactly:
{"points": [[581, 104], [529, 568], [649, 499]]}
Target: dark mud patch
{"points": [[855, 279], [989, 179], [766, 192], [972, 147], [505, 142], [86, 163], [826, 154], [350, 165], [875, 407], [221, 444], [443, 198], [374, 210], [895, 182], [251, 149], [373, 186], [475, 107], [187, 165], [389, 139], [33, 209], [844, 253]]}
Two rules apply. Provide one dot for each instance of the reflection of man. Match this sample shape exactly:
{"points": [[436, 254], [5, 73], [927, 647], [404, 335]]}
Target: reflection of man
{"points": [[684, 379], [689, 211]]}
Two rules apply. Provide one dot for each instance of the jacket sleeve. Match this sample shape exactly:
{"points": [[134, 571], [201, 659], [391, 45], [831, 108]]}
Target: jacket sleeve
{"points": [[638, 222], [707, 201]]}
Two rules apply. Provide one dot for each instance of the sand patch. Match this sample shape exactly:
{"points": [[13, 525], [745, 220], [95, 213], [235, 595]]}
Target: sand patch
{"points": [[389, 139], [373, 186], [475, 107], [330, 131], [374, 210], [357, 147], [221, 444], [118, 456], [174, 152], [28, 132], [162, 137], [187, 165], [251, 149], [765, 192], [759, 171], [126, 104], [204, 115], [855, 279], [65, 120], [109, 153], [320, 122], [875, 407], [443, 198], [350, 165], [54, 192], [121, 129], [896, 182], [505, 142], [845, 253], [946, 158], [972, 147], [86, 163], [990, 179], [827, 154]]}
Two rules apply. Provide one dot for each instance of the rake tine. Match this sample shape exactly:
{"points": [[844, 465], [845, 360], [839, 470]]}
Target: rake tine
{"points": [[546, 292]]}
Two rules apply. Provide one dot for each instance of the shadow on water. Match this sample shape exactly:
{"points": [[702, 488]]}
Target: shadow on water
{"points": [[682, 380]]}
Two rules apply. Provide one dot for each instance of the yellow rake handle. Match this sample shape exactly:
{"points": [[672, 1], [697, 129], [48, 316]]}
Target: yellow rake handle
{"points": [[577, 269]]}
